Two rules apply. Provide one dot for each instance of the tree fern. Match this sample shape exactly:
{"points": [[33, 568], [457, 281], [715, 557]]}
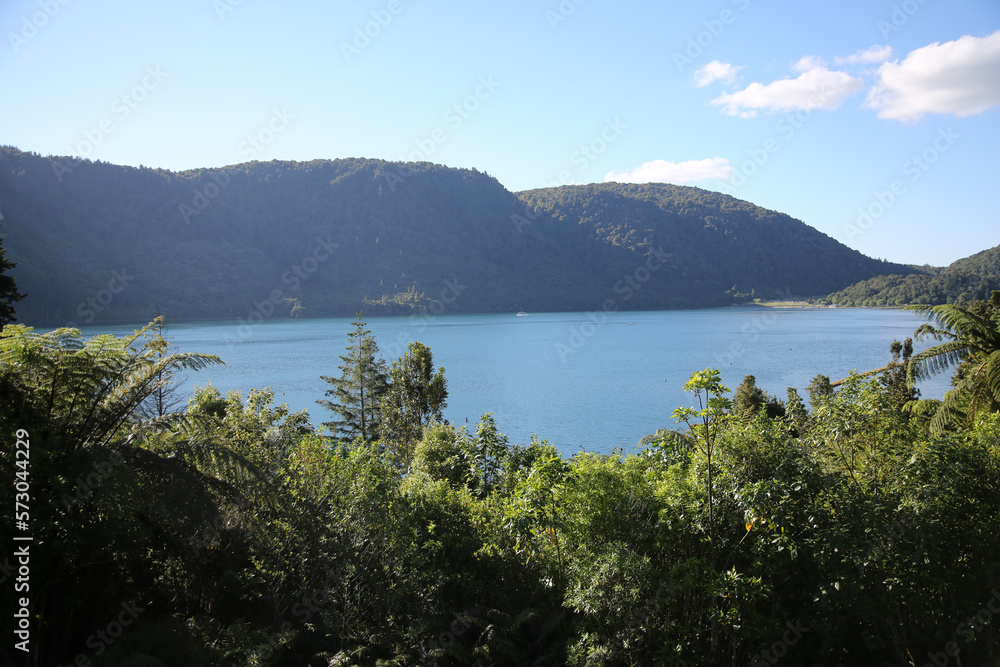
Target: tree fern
{"points": [[87, 393], [970, 339]]}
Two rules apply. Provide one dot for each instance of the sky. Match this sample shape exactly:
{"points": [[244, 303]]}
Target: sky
{"points": [[875, 122]]}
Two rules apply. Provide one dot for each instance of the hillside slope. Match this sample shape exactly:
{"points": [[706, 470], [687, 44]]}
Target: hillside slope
{"points": [[972, 277], [717, 240], [98, 242]]}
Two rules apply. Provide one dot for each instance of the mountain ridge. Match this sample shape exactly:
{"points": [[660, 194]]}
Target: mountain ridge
{"points": [[97, 242]]}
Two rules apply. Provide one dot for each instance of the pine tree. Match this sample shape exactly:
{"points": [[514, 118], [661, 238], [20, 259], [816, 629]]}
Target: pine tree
{"points": [[8, 290], [357, 394]]}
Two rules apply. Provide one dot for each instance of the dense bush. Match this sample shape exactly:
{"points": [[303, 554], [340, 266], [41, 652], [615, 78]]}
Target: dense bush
{"points": [[239, 534]]}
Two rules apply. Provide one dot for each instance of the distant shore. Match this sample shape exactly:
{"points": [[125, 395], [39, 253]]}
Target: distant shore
{"points": [[807, 304]]}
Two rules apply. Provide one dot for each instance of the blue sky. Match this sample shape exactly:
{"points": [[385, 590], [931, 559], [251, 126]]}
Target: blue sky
{"points": [[875, 122]]}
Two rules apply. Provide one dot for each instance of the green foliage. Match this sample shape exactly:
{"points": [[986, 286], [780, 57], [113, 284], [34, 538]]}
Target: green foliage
{"points": [[819, 391], [358, 392], [795, 410], [704, 425], [972, 342], [862, 428], [8, 289], [489, 451], [844, 535], [443, 455], [415, 398], [85, 392], [972, 277], [750, 399]]}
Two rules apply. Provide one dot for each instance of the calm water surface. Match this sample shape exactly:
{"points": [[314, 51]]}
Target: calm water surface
{"points": [[592, 382]]}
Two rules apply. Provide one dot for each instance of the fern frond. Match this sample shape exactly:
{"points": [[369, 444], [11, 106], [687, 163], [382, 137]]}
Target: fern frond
{"points": [[953, 410], [935, 359], [986, 385], [927, 331], [923, 407]]}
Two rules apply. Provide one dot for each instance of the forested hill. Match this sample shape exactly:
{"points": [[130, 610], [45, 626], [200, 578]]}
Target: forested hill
{"points": [[717, 241], [98, 242], [970, 278]]}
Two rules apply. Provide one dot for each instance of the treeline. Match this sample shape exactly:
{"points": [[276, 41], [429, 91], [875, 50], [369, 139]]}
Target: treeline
{"points": [[861, 529], [965, 280], [96, 242]]}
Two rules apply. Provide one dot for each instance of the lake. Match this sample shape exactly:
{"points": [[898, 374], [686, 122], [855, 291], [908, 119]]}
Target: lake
{"points": [[582, 381]]}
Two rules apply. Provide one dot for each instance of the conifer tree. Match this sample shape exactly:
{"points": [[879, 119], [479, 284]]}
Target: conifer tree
{"points": [[356, 395]]}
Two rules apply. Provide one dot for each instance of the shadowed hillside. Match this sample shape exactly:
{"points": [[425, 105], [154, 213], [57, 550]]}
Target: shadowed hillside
{"points": [[718, 242], [98, 242]]}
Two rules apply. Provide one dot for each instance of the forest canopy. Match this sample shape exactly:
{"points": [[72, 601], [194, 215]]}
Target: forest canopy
{"points": [[967, 279], [230, 531]]}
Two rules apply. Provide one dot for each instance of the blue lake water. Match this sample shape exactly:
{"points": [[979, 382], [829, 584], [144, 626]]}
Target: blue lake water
{"points": [[581, 381]]}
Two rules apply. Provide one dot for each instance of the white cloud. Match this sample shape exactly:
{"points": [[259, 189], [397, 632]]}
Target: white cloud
{"points": [[873, 54], [961, 77], [661, 171], [715, 71], [806, 63], [815, 88]]}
